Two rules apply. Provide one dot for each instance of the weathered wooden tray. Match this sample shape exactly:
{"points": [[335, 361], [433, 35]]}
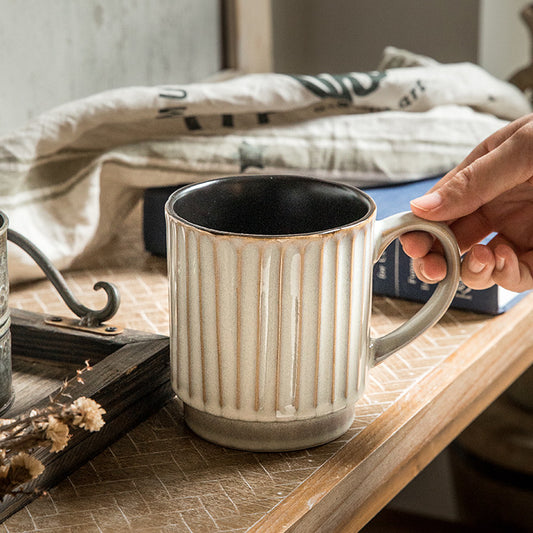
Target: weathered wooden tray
{"points": [[129, 379]]}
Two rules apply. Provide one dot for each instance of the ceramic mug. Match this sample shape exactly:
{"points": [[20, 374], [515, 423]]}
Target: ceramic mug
{"points": [[270, 300]]}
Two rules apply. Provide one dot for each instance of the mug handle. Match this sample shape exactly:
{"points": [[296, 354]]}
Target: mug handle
{"points": [[389, 229]]}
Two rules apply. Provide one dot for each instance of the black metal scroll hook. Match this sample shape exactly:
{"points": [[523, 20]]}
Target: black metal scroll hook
{"points": [[88, 317]]}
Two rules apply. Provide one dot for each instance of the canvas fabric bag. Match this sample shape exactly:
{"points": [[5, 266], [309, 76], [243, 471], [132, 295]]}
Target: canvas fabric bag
{"points": [[69, 177]]}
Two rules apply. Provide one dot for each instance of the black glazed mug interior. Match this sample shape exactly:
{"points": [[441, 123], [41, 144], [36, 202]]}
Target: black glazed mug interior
{"points": [[266, 205]]}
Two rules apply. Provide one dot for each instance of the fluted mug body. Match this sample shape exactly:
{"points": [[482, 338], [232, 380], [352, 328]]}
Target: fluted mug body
{"points": [[270, 298]]}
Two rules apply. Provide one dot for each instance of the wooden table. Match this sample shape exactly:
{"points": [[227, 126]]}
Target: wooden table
{"points": [[161, 477]]}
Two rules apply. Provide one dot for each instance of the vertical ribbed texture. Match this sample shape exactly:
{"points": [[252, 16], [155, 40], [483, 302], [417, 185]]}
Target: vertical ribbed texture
{"points": [[266, 329]]}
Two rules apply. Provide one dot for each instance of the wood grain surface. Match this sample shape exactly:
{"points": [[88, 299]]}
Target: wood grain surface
{"points": [[161, 477], [128, 377]]}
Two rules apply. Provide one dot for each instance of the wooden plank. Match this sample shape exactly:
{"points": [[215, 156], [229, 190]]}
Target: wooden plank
{"points": [[248, 35], [130, 383], [347, 491], [33, 338]]}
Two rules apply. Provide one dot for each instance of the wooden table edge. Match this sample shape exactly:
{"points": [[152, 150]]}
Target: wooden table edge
{"points": [[355, 484]]}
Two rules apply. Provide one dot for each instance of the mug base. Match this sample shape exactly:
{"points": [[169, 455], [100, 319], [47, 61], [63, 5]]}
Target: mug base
{"points": [[277, 436]]}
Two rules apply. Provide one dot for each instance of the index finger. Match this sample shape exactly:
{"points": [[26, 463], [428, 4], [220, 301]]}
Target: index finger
{"points": [[485, 178], [488, 145]]}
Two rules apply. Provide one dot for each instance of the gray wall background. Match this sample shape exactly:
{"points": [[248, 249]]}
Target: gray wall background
{"points": [[315, 36], [54, 51]]}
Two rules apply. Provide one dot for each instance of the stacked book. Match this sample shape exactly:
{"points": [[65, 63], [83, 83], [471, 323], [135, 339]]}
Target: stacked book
{"points": [[393, 274]]}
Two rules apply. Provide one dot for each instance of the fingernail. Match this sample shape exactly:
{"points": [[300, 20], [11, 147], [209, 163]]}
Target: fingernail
{"points": [[428, 202], [429, 278], [475, 266], [500, 262]]}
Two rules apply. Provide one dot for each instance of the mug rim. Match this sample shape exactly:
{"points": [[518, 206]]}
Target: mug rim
{"points": [[183, 191]]}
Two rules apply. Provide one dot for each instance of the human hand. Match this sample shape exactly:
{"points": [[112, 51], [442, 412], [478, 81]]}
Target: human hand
{"points": [[491, 191]]}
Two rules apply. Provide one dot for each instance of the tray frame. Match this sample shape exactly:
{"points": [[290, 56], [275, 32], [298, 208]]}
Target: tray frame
{"points": [[129, 379]]}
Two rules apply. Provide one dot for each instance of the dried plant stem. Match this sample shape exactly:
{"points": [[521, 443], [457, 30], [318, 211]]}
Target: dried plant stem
{"points": [[48, 427]]}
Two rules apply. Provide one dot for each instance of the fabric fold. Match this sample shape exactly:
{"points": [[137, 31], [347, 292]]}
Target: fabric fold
{"points": [[71, 175]]}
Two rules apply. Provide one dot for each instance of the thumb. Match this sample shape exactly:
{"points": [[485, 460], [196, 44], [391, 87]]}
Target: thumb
{"points": [[467, 188]]}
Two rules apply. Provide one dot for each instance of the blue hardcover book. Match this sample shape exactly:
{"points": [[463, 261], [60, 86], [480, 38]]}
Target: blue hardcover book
{"points": [[394, 274]]}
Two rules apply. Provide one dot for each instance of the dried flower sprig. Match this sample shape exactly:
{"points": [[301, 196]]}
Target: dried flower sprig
{"points": [[48, 427]]}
